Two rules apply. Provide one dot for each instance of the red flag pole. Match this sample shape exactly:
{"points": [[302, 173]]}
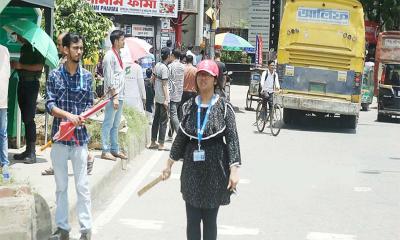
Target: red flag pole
{"points": [[97, 107]]}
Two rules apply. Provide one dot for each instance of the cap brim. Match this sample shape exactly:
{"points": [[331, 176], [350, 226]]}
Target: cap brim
{"points": [[208, 71]]}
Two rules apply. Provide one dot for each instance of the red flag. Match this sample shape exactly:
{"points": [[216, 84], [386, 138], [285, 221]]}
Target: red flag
{"points": [[67, 128]]}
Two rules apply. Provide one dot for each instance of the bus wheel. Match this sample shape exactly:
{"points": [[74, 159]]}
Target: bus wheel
{"points": [[382, 117], [365, 106], [350, 121], [288, 116]]}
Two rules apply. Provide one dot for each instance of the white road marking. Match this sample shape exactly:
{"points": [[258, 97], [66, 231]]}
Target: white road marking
{"points": [[143, 224], [362, 189], [244, 181], [130, 189], [329, 236], [177, 176], [236, 231]]}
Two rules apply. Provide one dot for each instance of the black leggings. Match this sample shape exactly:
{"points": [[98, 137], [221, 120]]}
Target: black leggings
{"points": [[195, 216], [27, 97]]}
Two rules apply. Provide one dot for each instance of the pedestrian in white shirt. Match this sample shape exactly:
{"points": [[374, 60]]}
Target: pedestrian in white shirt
{"points": [[135, 93], [4, 79], [189, 52], [114, 83], [269, 83]]}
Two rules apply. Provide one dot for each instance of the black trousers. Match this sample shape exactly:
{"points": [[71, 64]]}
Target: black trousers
{"points": [[149, 96], [160, 123], [267, 99], [27, 97], [195, 216]]}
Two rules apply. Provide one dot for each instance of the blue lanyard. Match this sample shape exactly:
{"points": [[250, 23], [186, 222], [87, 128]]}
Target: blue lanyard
{"points": [[200, 129], [80, 76]]}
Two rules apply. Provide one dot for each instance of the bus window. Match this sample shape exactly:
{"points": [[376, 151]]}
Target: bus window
{"points": [[392, 75]]}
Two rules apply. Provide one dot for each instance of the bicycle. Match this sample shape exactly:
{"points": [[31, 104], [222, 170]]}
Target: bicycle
{"points": [[274, 116]]}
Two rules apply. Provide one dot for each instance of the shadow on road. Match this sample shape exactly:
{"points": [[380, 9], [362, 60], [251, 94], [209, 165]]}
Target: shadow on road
{"points": [[379, 171], [316, 124], [265, 132], [390, 120], [237, 110]]}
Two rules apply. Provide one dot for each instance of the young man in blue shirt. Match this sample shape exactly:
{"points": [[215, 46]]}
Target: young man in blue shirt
{"points": [[69, 94]]}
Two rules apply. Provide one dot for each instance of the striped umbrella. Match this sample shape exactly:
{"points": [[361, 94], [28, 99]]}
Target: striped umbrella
{"points": [[232, 42]]}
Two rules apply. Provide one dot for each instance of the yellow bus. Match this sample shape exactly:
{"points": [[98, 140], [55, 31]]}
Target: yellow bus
{"points": [[321, 54]]}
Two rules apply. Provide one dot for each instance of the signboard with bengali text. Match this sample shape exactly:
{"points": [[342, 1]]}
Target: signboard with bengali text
{"points": [[259, 22], [150, 8], [391, 43], [139, 30], [324, 16]]}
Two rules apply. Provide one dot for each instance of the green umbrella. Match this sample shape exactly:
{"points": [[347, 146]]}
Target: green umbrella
{"points": [[37, 37], [3, 4]]}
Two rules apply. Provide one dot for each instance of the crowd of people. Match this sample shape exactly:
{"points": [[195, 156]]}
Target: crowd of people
{"points": [[181, 90]]}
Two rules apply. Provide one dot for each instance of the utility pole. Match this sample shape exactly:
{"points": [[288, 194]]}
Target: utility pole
{"points": [[212, 34], [200, 23], [216, 5]]}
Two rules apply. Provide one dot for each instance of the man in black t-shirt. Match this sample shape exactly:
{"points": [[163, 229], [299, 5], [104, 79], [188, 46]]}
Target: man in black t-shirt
{"points": [[29, 67], [221, 75]]}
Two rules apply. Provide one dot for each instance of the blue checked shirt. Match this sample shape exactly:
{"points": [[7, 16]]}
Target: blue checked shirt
{"points": [[72, 94]]}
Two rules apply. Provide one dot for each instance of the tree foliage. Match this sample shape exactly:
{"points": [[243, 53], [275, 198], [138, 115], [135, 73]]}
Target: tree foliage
{"points": [[384, 12], [78, 16]]}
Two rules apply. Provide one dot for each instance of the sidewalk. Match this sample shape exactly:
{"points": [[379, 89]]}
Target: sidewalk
{"points": [[104, 173]]}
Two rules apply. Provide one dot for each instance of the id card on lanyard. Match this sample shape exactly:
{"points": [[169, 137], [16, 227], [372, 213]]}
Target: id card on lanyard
{"points": [[199, 155]]}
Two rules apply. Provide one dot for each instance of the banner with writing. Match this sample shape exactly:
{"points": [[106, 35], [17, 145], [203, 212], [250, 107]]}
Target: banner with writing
{"points": [[257, 52], [260, 49], [151, 8]]}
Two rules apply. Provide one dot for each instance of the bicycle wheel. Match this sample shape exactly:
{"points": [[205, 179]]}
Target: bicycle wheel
{"points": [[261, 117], [276, 120]]}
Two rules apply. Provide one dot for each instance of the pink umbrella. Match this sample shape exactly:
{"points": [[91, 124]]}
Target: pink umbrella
{"points": [[137, 47]]}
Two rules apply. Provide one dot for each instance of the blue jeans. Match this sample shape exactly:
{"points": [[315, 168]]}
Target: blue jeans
{"points": [[3, 137], [112, 119], [60, 154]]}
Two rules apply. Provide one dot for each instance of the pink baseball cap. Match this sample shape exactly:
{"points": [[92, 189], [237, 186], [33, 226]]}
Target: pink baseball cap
{"points": [[209, 66]]}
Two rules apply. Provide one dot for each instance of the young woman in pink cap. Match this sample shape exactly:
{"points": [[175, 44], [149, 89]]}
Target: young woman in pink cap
{"points": [[208, 143]]}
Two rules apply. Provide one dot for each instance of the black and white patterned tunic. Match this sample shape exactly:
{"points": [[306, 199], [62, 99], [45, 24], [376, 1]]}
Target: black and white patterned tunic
{"points": [[204, 184]]}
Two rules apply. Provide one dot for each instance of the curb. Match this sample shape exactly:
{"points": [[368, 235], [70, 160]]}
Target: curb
{"points": [[98, 189], [17, 207]]}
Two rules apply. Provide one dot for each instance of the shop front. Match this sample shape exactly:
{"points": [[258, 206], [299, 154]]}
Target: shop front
{"points": [[140, 18]]}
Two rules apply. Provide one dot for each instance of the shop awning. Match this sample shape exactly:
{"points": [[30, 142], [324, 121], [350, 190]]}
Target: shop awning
{"points": [[33, 3]]}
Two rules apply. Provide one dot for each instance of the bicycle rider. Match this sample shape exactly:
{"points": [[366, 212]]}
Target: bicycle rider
{"points": [[269, 83]]}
